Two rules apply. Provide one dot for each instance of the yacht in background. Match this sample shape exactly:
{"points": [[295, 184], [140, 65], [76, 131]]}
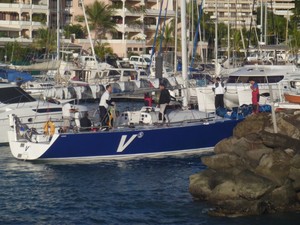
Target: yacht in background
{"points": [[14, 100]]}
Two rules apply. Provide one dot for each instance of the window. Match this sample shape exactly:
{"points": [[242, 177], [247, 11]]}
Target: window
{"points": [[257, 79], [47, 110], [12, 95]]}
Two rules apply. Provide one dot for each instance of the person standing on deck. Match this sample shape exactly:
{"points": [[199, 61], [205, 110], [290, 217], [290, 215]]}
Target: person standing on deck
{"points": [[219, 90], [255, 96], [164, 100], [105, 101], [67, 109]]}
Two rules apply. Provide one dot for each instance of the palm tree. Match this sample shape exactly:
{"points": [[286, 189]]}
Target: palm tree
{"points": [[102, 50], [167, 38], [45, 39], [100, 18]]}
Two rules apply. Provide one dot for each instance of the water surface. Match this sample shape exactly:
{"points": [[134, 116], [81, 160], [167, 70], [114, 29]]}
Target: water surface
{"points": [[144, 191]]}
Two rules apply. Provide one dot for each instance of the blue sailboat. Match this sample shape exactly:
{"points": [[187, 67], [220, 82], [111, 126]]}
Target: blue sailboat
{"points": [[126, 140]]}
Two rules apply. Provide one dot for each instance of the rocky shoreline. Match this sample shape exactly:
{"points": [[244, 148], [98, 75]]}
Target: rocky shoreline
{"points": [[255, 171]]}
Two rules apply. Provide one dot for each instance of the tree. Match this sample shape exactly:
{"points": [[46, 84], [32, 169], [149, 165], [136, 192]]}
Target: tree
{"points": [[45, 40], [100, 18], [294, 28], [167, 37], [76, 29], [102, 50], [15, 53]]}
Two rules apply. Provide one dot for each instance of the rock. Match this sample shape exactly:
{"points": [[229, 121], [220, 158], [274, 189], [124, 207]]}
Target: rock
{"points": [[223, 191], [252, 187], [225, 145], [244, 145], [296, 185], [256, 154], [256, 171], [282, 197], [251, 125], [221, 161], [294, 175], [290, 152], [279, 141], [289, 126], [298, 196], [295, 162], [274, 166], [200, 184], [241, 207]]}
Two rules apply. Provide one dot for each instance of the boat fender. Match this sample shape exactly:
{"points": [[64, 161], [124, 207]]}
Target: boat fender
{"points": [[47, 125]]}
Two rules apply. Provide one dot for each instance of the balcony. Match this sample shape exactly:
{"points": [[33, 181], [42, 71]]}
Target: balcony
{"points": [[155, 12], [132, 28], [18, 25]]}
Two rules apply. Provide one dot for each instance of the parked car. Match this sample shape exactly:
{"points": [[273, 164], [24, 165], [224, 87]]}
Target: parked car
{"points": [[139, 62]]}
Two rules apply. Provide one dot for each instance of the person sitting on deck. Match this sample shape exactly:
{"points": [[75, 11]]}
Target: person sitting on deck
{"points": [[148, 99], [85, 122]]}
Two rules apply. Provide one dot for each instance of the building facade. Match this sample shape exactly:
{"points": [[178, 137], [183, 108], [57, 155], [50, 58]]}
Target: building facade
{"points": [[242, 13], [136, 19], [19, 20]]}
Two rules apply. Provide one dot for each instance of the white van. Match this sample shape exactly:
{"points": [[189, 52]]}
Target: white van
{"points": [[139, 62]]}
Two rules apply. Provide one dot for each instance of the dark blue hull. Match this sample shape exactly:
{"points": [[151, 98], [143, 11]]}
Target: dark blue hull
{"points": [[139, 141]]}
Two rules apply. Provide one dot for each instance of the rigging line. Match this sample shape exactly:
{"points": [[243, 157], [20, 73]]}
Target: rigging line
{"points": [[196, 34], [155, 36], [163, 30], [249, 34], [275, 35]]}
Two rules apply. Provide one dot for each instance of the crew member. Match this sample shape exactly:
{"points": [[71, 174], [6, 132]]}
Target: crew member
{"points": [[255, 96], [164, 100], [219, 90], [67, 109], [85, 122], [105, 101]]}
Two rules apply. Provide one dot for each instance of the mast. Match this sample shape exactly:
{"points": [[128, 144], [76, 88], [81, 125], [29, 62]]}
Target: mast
{"points": [[176, 40], [266, 18], [184, 51], [216, 38], [228, 33], [261, 21], [89, 32], [57, 29]]}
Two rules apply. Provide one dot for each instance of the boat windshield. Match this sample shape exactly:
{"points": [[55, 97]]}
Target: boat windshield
{"points": [[257, 79], [11, 95]]}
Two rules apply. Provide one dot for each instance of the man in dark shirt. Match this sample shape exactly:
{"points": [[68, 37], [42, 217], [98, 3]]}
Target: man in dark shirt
{"points": [[164, 100], [85, 122]]}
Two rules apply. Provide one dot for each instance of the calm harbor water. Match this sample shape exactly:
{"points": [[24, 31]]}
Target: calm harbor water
{"points": [[144, 191]]}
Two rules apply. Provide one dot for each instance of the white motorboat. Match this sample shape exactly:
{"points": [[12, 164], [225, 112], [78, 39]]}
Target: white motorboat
{"points": [[14, 100], [270, 78]]}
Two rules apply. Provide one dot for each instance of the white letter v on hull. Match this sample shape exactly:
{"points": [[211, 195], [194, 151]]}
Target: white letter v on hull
{"points": [[123, 144]]}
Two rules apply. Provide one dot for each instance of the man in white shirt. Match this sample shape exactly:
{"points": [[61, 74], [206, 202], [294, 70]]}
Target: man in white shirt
{"points": [[219, 90], [105, 101], [67, 109]]}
